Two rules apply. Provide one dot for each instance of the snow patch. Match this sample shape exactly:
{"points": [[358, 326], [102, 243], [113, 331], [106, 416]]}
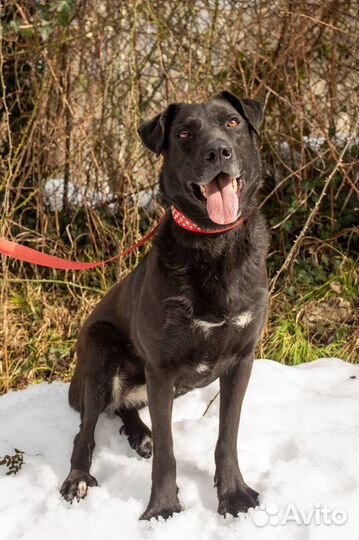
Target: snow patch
{"points": [[79, 195], [298, 447]]}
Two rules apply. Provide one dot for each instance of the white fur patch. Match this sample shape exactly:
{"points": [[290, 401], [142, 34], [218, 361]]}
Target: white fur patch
{"points": [[201, 368], [138, 394], [117, 390], [205, 326], [243, 319], [81, 489]]}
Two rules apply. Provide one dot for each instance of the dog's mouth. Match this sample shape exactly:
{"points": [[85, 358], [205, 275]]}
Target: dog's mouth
{"points": [[221, 195]]}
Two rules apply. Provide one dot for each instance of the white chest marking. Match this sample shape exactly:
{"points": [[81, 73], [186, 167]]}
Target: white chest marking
{"points": [[205, 326], [243, 320]]}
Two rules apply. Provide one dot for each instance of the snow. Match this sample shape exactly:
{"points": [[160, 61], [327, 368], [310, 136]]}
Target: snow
{"points": [[340, 139], [298, 447], [78, 195]]}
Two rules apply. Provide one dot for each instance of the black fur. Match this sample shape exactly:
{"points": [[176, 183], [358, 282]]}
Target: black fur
{"points": [[191, 312]]}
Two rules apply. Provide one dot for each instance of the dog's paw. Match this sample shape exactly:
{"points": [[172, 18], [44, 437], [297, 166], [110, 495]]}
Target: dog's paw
{"points": [[144, 447], [140, 441], [76, 485], [237, 501], [161, 510]]}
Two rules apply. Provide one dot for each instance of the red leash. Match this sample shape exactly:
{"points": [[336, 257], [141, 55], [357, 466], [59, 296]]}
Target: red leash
{"points": [[26, 254]]}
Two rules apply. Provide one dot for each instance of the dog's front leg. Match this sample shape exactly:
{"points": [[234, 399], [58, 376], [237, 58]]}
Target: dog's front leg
{"points": [[233, 493], [163, 501]]}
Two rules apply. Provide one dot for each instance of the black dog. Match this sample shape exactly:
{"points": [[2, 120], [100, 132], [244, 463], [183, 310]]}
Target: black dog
{"points": [[191, 312]]}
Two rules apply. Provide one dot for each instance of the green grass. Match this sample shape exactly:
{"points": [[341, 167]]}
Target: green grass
{"points": [[315, 316], [312, 320], [289, 344]]}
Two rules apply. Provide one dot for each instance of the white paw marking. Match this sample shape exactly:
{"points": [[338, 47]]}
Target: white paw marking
{"points": [[243, 320], [81, 489]]}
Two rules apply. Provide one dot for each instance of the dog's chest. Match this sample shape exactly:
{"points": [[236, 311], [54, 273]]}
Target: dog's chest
{"points": [[204, 343], [203, 322]]}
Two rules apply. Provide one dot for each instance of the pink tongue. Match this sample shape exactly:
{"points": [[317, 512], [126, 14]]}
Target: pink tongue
{"points": [[222, 201]]}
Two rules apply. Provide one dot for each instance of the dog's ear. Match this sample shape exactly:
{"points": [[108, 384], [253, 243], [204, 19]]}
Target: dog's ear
{"points": [[250, 109], [154, 132]]}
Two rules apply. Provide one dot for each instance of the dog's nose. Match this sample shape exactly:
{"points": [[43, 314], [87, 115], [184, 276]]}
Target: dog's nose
{"points": [[216, 153]]}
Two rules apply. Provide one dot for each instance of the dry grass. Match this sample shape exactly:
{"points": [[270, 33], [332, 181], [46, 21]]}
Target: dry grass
{"points": [[76, 77]]}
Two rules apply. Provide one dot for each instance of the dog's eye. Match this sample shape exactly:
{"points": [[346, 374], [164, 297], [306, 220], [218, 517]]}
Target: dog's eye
{"points": [[184, 134], [233, 122]]}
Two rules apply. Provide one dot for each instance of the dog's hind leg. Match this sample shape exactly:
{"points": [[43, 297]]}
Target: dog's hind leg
{"points": [[79, 478], [138, 434], [99, 356]]}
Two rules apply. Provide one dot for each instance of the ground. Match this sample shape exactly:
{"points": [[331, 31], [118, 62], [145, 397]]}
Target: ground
{"points": [[298, 447]]}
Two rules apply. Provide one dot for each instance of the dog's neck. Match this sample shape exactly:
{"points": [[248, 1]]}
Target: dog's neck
{"points": [[206, 260], [186, 223], [191, 246]]}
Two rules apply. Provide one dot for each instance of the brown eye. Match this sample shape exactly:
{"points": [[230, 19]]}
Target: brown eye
{"points": [[233, 122], [184, 134]]}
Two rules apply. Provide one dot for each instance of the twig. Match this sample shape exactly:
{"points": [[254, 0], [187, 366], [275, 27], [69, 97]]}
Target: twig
{"points": [[210, 403], [314, 210]]}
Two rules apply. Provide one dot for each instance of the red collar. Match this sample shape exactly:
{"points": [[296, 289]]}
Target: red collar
{"points": [[189, 225]]}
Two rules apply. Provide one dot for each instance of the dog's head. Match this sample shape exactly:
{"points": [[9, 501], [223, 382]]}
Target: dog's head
{"points": [[211, 166]]}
